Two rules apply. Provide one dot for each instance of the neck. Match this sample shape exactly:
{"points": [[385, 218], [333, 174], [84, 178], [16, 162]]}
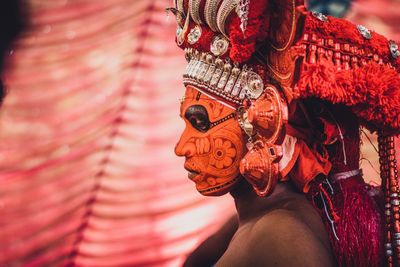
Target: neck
{"points": [[249, 205]]}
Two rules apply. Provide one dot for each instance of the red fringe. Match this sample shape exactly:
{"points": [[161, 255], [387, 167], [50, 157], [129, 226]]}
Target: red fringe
{"points": [[372, 92], [343, 31], [360, 229]]}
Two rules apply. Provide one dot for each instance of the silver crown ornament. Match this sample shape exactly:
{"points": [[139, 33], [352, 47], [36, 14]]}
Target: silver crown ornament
{"points": [[224, 79]]}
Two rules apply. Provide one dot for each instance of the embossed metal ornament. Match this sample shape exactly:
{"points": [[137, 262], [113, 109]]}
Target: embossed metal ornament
{"points": [[269, 115], [180, 36], [320, 16], [394, 49], [210, 13], [255, 85], [179, 31], [179, 5], [225, 9], [194, 35], [194, 10], [244, 123], [365, 32], [223, 78], [219, 45], [260, 167]]}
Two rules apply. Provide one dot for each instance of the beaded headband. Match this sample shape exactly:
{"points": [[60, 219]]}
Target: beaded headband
{"points": [[224, 79]]}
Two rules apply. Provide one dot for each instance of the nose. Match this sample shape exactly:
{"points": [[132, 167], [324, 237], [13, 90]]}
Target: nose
{"points": [[185, 148]]}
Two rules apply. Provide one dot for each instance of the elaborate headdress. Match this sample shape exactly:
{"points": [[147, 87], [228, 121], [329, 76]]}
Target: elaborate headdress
{"points": [[260, 57], [221, 40]]}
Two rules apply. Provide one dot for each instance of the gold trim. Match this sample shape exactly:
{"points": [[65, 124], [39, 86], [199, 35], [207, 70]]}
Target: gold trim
{"points": [[179, 6], [181, 37], [279, 75], [194, 8], [223, 13], [210, 13]]}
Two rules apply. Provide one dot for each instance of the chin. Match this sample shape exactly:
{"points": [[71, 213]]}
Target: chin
{"points": [[218, 190]]}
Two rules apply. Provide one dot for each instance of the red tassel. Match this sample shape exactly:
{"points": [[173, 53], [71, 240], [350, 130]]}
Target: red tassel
{"points": [[360, 227], [344, 31], [372, 92]]}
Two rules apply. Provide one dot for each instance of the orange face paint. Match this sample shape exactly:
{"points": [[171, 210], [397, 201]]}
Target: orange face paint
{"points": [[212, 143]]}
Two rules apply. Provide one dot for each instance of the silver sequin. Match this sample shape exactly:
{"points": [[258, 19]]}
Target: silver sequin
{"points": [[320, 16], [394, 49], [365, 32]]}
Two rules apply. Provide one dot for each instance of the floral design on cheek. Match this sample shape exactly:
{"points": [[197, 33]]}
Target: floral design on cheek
{"points": [[202, 146], [223, 154]]}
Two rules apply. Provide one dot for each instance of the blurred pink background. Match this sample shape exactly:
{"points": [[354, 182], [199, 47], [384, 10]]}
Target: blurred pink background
{"points": [[88, 176]]}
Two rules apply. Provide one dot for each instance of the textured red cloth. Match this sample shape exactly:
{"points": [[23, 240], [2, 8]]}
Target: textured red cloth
{"points": [[344, 31], [244, 45], [371, 91]]}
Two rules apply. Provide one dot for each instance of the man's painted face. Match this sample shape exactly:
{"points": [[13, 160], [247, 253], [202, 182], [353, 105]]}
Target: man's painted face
{"points": [[212, 143]]}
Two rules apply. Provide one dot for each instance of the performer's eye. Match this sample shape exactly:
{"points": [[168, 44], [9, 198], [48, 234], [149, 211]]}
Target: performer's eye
{"points": [[197, 116]]}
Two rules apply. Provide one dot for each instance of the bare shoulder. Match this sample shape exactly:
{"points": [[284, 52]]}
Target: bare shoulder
{"points": [[283, 238], [289, 233], [279, 238]]}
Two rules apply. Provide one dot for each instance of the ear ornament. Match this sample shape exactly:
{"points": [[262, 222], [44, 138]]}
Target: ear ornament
{"points": [[263, 120]]}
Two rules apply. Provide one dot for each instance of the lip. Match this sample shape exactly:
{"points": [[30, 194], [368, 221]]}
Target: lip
{"points": [[192, 174]]}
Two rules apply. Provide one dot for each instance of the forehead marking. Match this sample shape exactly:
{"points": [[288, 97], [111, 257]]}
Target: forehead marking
{"points": [[219, 101], [198, 96]]}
